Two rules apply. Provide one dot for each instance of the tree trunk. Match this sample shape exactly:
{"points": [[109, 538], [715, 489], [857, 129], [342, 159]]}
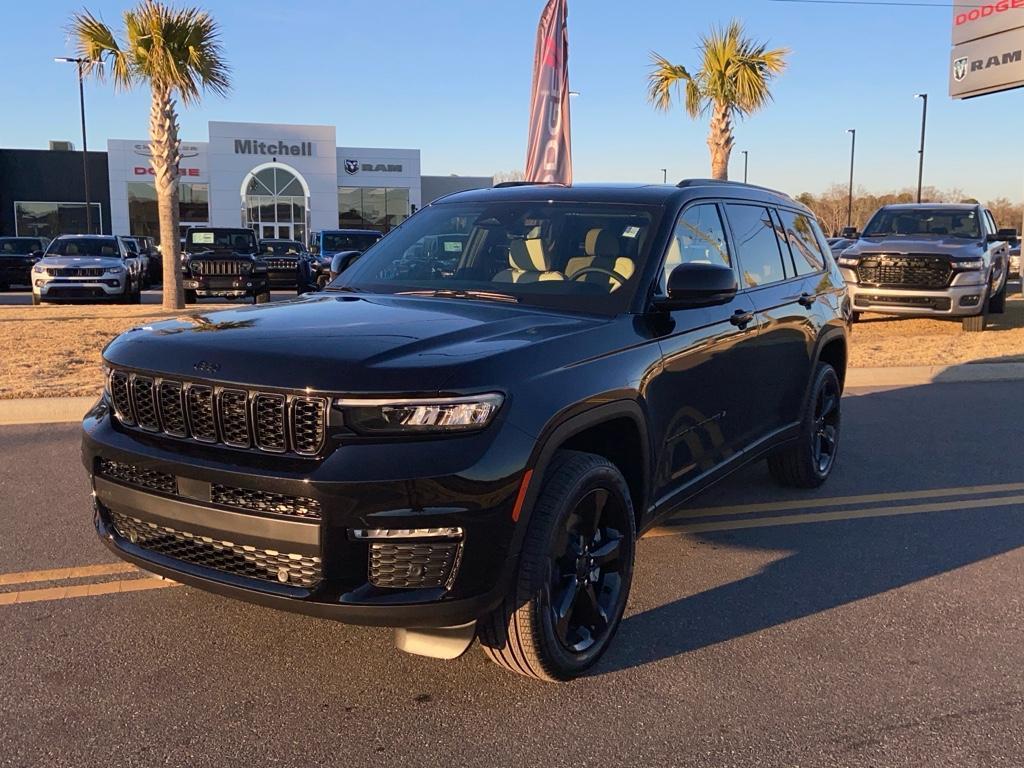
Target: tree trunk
{"points": [[164, 156], [720, 141]]}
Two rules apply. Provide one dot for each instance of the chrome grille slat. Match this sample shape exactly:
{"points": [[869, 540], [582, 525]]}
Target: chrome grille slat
{"points": [[217, 267], [75, 271], [239, 418]]}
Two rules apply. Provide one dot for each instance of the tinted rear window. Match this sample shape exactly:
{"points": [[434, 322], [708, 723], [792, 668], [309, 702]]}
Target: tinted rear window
{"points": [[757, 245], [18, 245], [803, 243]]}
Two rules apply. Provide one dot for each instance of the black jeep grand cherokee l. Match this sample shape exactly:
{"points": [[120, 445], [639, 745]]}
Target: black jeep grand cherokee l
{"points": [[473, 453]]}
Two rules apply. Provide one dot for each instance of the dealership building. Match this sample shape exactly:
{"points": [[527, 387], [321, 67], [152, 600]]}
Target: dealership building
{"points": [[282, 180]]}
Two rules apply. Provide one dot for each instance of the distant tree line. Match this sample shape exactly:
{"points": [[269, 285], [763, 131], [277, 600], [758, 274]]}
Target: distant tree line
{"points": [[830, 206]]}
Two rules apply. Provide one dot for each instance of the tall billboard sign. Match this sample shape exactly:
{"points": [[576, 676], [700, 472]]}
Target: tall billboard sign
{"points": [[988, 48]]}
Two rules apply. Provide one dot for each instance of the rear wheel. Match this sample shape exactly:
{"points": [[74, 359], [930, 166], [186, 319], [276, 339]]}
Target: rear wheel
{"points": [[575, 571], [807, 461]]}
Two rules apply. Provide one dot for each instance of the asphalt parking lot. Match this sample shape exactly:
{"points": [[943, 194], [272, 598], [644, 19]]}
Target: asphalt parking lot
{"points": [[876, 622]]}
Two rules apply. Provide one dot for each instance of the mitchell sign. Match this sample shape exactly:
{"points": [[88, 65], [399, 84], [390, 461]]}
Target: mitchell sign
{"points": [[277, 149], [988, 49]]}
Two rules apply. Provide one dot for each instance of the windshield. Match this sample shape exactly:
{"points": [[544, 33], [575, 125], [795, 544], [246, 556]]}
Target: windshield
{"points": [[84, 246], [237, 240], [18, 245], [281, 247], [585, 257], [924, 222], [338, 241]]}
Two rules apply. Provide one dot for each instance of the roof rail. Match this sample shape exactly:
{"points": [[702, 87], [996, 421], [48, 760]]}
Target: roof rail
{"points": [[502, 184], [721, 182]]}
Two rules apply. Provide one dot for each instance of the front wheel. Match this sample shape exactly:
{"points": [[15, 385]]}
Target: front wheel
{"points": [[997, 304], [807, 461], [190, 297], [975, 323], [261, 298], [36, 299], [575, 571]]}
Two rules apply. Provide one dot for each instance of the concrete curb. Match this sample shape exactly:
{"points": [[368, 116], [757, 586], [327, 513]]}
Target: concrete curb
{"points": [[57, 410], [44, 410]]}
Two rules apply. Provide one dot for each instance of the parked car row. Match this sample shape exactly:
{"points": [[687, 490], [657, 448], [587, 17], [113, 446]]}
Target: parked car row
{"points": [[88, 268]]}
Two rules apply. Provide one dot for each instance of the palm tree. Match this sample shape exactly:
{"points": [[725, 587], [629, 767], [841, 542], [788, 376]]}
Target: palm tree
{"points": [[733, 79], [177, 52]]}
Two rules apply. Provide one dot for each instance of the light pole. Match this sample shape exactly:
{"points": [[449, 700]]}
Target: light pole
{"points": [[664, 175], [85, 145], [746, 157], [849, 204], [924, 122]]}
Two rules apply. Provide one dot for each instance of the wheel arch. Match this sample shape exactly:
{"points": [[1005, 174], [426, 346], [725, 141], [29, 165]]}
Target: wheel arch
{"points": [[833, 348]]}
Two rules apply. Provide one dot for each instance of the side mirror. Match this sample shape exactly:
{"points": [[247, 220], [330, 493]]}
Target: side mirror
{"points": [[1009, 235], [850, 233], [698, 285], [342, 261]]}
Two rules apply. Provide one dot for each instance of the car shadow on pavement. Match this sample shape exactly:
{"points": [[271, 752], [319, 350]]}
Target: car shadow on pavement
{"points": [[827, 562]]}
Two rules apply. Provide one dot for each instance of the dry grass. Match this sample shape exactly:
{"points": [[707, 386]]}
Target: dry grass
{"points": [[55, 351]]}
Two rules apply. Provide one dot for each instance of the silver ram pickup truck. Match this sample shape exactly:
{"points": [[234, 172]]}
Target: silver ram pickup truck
{"points": [[931, 260]]}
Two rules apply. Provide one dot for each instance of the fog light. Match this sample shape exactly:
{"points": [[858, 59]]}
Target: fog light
{"points": [[385, 534], [969, 301], [40, 283]]}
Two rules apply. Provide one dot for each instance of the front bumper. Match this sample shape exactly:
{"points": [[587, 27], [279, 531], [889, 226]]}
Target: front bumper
{"points": [[366, 486], [964, 298], [16, 273], [232, 286], [80, 288]]}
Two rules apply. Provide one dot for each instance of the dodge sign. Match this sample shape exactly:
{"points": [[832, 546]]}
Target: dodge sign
{"points": [[988, 48]]}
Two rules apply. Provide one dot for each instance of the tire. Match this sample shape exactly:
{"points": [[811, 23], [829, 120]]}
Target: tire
{"points": [[137, 296], [261, 298], [808, 461], [997, 303], [190, 297], [523, 634], [975, 323], [854, 318], [36, 300]]}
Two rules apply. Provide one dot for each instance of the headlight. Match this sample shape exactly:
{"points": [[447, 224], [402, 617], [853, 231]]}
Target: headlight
{"points": [[401, 417], [115, 270], [972, 264], [39, 269], [848, 261]]}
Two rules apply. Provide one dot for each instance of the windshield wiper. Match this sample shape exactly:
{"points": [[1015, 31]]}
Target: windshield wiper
{"points": [[450, 293]]}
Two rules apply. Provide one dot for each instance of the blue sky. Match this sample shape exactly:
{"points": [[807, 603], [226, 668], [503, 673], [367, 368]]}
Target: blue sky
{"points": [[452, 77]]}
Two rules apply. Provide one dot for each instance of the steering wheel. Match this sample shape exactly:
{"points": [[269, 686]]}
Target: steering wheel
{"points": [[601, 270]]}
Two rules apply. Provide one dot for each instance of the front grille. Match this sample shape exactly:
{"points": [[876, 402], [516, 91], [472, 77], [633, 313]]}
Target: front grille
{"points": [[264, 501], [75, 271], [238, 559], [130, 474], [219, 267], [412, 565], [271, 422], [73, 292], [281, 265], [910, 271], [226, 495]]}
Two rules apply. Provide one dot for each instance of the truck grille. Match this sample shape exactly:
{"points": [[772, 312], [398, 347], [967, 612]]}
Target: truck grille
{"points": [[282, 264], [246, 499], [274, 423], [219, 267], [241, 560], [75, 271], [910, 271]]}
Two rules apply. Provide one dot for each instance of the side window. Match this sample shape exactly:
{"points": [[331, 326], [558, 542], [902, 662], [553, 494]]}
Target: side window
{"points": [[699, 237], [992, 228], [756, 244], [807, 254]]}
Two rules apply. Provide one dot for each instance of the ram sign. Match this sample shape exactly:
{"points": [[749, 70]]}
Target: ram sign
{"points": [[988, 48]]}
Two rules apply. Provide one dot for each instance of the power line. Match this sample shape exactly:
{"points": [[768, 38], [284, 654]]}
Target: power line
{"points": [[945, 6]]}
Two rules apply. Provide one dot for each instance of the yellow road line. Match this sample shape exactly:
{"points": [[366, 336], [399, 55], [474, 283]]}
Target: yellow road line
{"points": [[60, 574], [83, 590], [851, 514], [838, 501]]}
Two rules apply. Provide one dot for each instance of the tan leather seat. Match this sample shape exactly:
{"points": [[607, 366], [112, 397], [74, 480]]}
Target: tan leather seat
{"points": [[528, 263], [602, 251]]}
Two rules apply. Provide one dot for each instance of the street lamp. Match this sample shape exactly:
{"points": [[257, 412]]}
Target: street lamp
{"points": [[664, 175], [849, 204], [924, 122], [85, 146], [745, 159]]}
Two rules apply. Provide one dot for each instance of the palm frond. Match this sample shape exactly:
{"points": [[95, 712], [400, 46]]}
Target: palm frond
{"points": [[664, 79], [95, 42]]}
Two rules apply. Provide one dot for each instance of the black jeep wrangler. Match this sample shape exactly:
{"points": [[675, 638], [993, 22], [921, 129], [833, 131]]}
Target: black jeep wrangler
{"points": [[471, 450], [225, 262]]}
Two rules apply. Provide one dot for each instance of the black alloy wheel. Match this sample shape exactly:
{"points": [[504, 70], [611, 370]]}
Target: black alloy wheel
{"points": [[826, 425], [808, 460]]}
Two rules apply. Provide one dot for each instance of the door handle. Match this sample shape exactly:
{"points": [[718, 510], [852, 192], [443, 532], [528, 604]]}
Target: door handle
{"points": [[807, 300], [741, 319]]}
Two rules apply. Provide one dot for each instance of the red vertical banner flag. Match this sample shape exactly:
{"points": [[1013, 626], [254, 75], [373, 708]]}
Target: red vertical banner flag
{"points": [[549, 152]]}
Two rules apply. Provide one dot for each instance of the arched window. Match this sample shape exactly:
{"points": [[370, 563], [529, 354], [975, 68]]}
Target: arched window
{"points": [[275, 203]]}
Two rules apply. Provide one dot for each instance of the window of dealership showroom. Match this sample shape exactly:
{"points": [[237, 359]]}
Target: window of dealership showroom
{"points": [[144, 217], [46, 219], [380, 208], [275, 200]]}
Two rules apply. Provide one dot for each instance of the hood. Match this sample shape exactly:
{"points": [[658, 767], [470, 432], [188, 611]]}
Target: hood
{"points": [[344, 343], [955, 247], [81, 261]]}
